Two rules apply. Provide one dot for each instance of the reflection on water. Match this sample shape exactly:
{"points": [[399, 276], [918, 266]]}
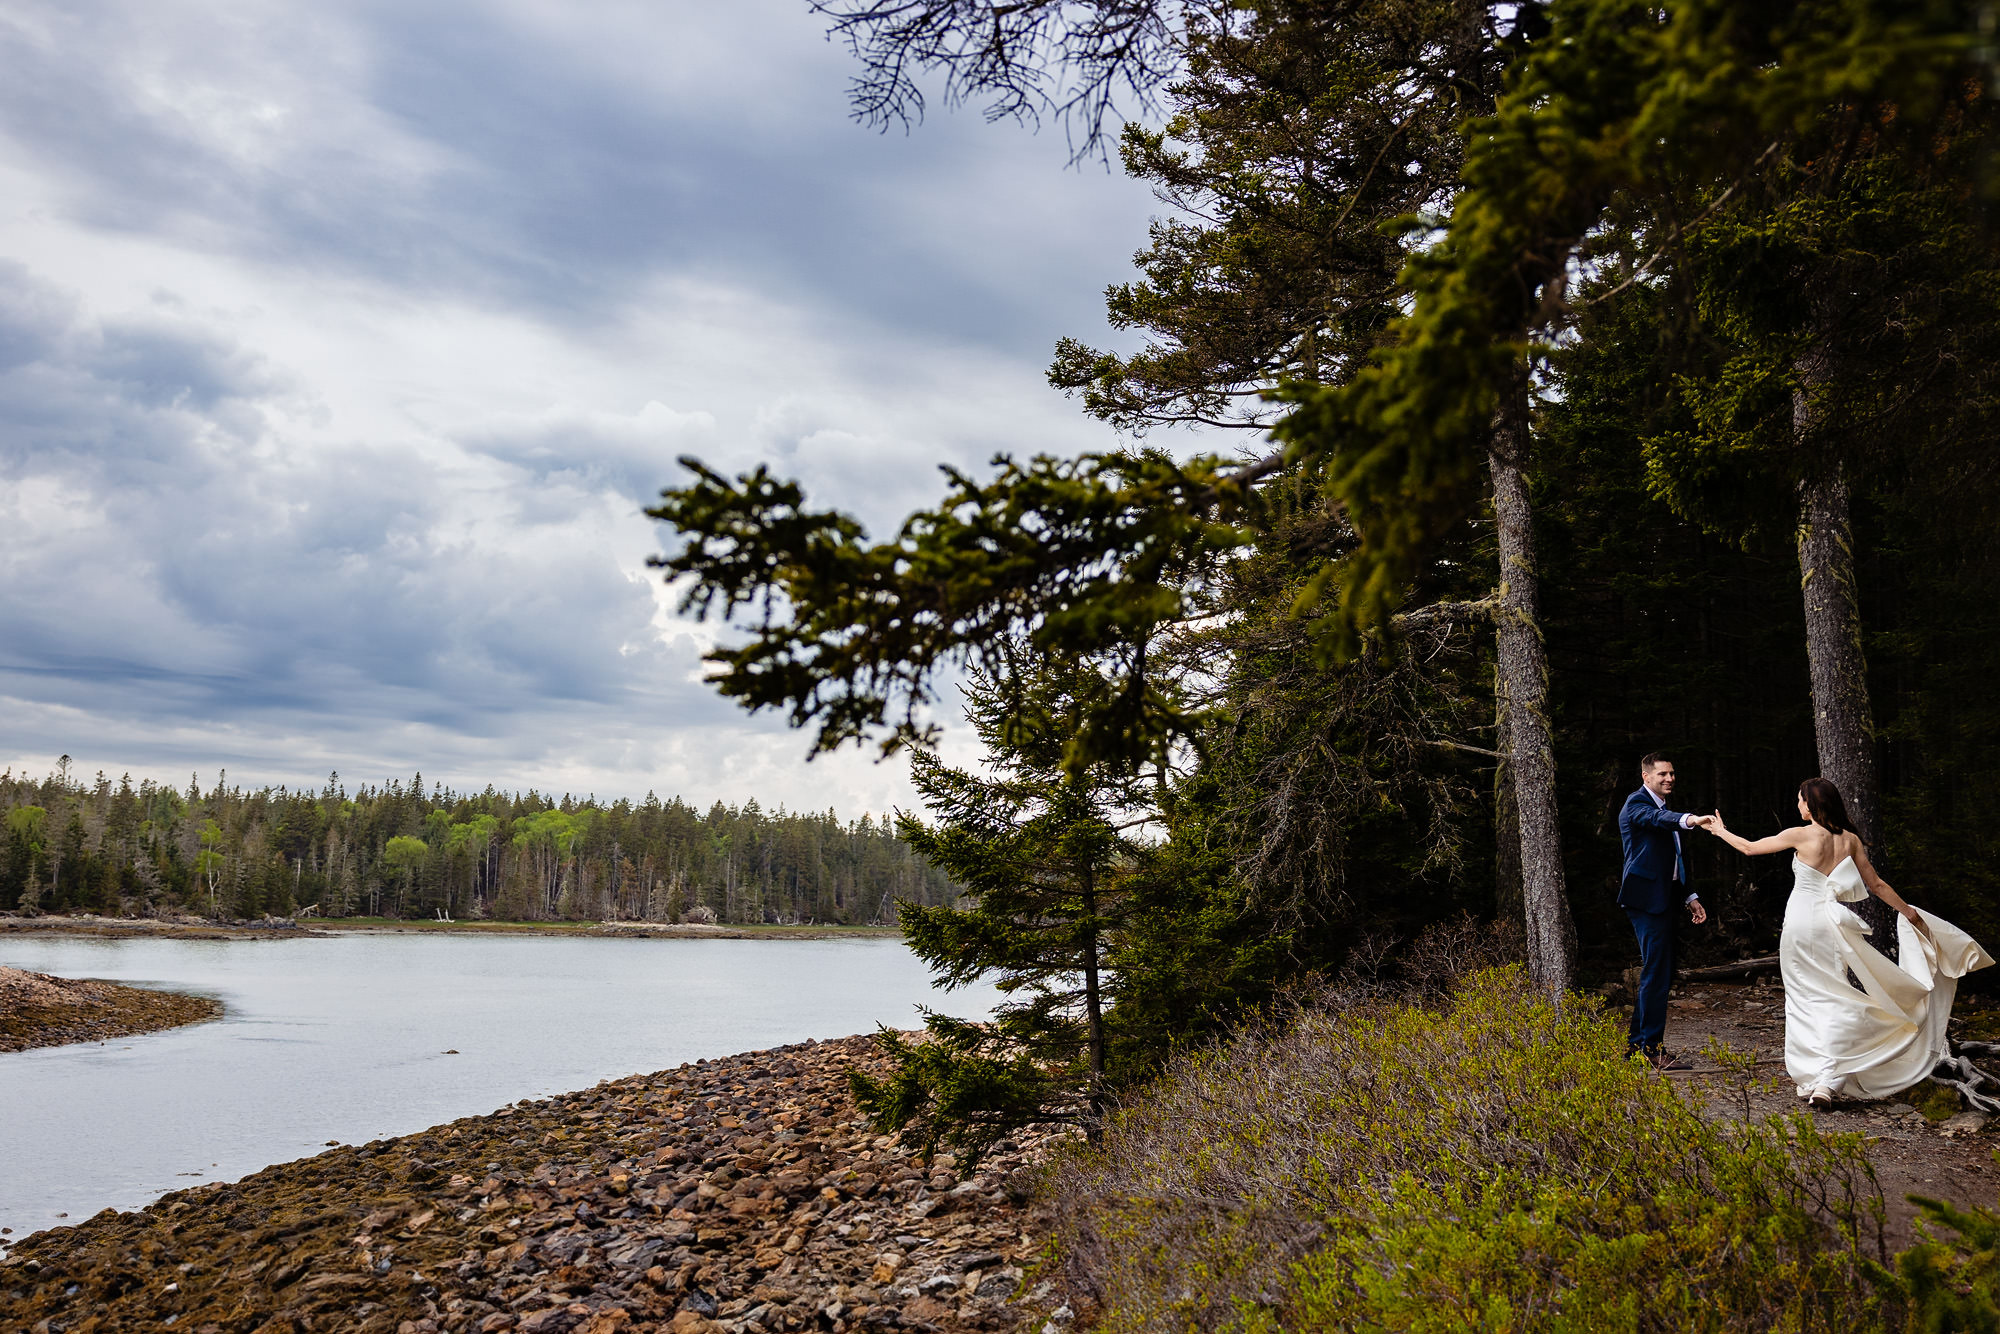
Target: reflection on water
{"points": [[364, 1036]]}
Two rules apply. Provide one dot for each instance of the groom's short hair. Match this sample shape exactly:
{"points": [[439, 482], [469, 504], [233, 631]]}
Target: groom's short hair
{"points": [[1653, 761]]}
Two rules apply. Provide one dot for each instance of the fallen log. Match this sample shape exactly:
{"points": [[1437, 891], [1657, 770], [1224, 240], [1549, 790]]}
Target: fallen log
{"points": [[1723, 971], [1960, 1073]]}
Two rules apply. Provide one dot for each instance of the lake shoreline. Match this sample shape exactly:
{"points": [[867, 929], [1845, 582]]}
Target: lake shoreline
{"points": [[191, 928], [744, 1194], [40, 1010]]}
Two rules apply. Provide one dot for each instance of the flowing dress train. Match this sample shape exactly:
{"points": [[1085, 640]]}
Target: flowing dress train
{"points": [[1876, 1042]]}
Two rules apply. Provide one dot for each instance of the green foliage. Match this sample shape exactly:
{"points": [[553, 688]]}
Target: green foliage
{"points": [[1876, 266], [1298, 132], [1490, 1161], [963, 1085], [26, 824], [1953, 1286], [148, 848], [1938, 1102], [1083, 558], [1620, 100], [1037, 853], [1615, 100], [405, 854]]}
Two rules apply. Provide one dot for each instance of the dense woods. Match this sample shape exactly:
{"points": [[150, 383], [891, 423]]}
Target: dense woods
{"points": [[1523, 389], [414, 850]]}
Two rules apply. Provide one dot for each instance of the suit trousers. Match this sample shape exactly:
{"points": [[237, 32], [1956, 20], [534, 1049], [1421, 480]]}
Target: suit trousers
{"points": [[1655, 931]]}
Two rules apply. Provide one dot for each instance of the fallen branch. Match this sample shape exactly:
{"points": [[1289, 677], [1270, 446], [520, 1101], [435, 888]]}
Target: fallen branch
{"points": [[1741, 968], [1969, 1078]]}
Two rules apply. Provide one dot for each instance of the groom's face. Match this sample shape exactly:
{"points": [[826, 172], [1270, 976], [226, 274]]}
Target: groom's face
{"points": [[1660, 778]]}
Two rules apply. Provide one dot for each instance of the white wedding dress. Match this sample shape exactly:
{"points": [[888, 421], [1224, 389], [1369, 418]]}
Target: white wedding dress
{"points": [[1851, 1043]]}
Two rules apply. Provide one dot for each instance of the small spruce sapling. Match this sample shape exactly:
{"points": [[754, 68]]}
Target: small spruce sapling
{"points": [[1037, 849]]}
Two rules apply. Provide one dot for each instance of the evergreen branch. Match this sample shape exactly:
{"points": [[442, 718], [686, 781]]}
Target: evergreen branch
{"points": [[1678, 230]]}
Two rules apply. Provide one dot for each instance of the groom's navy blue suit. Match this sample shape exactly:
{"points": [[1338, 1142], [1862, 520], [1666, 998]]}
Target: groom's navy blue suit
{"points": [[1653, 886]]}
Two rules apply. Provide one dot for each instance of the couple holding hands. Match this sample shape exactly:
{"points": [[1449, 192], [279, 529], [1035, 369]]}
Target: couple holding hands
{"points": [[1840, 1041]]}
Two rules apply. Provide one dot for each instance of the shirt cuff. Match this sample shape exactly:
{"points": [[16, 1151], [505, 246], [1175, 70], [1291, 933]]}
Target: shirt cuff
{"points": [[1687, 821], [1689, 900]]}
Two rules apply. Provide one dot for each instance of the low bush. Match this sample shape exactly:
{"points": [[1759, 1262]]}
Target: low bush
{"points": [[1482, 1160]]}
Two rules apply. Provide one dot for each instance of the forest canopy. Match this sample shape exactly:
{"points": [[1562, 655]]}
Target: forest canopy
{"points": [[417, 850], [1522, 389]]}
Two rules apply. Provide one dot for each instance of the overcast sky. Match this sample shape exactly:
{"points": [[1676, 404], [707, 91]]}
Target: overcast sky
{"points": [[341, 344]]}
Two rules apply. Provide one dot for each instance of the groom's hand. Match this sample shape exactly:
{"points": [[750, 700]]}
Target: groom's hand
{"points": [[1696, 913]]}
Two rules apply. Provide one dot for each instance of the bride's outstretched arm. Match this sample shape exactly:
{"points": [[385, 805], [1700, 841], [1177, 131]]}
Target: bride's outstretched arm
{"points": [[1880, 887], [1778, 842]]}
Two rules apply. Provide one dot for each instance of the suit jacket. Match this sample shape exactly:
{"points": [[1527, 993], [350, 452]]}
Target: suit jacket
{"points": [[1652, 856]]}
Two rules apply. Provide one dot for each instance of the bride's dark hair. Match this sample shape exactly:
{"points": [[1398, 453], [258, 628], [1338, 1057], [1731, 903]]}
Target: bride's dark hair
{"points": [[1822, 798]]}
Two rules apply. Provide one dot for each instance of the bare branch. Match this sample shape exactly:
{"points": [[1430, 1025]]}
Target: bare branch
{"points": [[1023, 58]]}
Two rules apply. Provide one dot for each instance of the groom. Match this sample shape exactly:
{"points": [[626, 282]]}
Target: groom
{"points": [[1653, 885]]}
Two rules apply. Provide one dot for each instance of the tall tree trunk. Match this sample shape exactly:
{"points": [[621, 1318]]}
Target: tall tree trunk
{"points": [[1522, 668], [1507, 900], [1093, 1002], [1843, 721]]}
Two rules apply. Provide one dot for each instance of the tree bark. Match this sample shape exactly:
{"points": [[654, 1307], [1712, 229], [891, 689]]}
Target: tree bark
{"points": [[1093, 1003], [1522, 669], [1507, 899], [1843, 718], [1843, 721]]}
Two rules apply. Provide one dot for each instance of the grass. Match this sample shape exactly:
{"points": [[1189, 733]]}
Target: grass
{"points": [[1485, 1159]]}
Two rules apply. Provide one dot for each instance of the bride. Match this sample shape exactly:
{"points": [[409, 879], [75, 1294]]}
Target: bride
{"points": [[1840, 1042]]}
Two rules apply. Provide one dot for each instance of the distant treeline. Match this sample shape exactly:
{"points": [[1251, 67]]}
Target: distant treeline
{"points": [[411, 850]]}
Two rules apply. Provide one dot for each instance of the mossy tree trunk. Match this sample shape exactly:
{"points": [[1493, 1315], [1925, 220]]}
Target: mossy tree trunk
{"points": [[1522, 672], [1507, 900], [1843, 721], [1843, 717]]}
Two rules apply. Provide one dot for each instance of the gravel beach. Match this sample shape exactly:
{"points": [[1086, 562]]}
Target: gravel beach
{"points": [[744, 1194], [37, 1010]]}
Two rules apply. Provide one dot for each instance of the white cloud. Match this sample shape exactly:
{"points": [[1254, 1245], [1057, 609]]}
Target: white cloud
{"points": [[341, 348]]}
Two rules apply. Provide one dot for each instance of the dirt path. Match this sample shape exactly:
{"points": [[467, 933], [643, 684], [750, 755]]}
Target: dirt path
{"points": [[1913, 1154]]}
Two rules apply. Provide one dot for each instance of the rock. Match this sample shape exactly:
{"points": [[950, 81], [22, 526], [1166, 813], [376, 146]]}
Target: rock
{"points": [[37, 1010], [630, 1206], [1965, 1123]]}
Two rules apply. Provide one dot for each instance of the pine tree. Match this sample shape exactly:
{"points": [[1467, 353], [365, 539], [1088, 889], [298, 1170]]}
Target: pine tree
{"points": [[1037, 851]]}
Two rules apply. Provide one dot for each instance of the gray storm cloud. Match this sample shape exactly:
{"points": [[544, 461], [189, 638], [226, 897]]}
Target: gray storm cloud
{"points": [[341, 347]]}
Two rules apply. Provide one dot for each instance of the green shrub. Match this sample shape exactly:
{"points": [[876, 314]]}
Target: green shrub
{"points": [[1953, 1288], [1492, 1161]]}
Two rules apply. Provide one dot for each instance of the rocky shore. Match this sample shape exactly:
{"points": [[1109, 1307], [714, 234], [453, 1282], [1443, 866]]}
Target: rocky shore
{"points": [[37, 1010], [153, 928], [274, 928], [744, 1194]]}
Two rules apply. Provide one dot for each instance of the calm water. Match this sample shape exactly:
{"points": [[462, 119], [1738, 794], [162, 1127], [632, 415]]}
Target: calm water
{"points": [[344, 1039]]}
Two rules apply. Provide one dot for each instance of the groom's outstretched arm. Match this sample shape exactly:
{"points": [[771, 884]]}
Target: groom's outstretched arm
{"points": [[1648, 816]]}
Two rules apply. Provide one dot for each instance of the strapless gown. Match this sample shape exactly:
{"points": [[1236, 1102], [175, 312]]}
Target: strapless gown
{"points": [[1877, 1042]]}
